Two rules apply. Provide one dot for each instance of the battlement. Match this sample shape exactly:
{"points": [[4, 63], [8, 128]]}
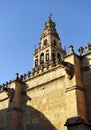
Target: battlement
{"points": [[49, 65]]}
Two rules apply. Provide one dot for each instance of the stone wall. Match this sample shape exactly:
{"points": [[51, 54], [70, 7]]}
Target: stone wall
{"points": [[86, 74], [3, 109], [46, 107]]}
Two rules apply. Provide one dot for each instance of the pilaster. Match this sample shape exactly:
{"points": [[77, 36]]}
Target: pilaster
{"points": [[76, 108], [17, 105]]}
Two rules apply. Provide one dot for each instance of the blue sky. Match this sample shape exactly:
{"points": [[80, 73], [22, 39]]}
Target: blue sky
{"points": [[22, 23]]}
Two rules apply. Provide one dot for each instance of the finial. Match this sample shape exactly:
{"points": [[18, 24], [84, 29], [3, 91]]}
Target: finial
{"points": [[88, 47], [21, 77], [29, 74], [7, 84], [81, 50], [24, 76], [50, 15], [17, 76], [71, 49]]}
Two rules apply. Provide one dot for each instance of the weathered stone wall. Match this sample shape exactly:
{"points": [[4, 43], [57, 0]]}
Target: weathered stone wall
{"points": [[86, 74], [75, 90], [46, 107], [3, 109]]}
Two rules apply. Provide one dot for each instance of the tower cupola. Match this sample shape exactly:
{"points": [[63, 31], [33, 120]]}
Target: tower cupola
{"points": [[50, 47], [50, 28]]}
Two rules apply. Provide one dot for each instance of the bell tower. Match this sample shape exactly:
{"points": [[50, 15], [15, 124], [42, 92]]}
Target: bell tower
{"points": [[50, 48]]}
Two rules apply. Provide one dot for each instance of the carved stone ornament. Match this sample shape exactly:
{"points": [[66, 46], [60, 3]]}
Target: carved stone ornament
{"points": [[69, 68]]}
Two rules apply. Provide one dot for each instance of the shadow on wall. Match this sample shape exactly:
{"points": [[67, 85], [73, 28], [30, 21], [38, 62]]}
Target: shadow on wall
{"points": [[86, 77], [35, 120], [31, 119], [3, 119]]}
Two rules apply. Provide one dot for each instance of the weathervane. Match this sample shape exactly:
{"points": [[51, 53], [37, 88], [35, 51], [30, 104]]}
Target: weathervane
{"points": [[50, 15]]}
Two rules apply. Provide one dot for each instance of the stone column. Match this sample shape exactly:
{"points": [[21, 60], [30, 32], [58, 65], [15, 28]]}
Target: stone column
{"points": [[16, 113]]}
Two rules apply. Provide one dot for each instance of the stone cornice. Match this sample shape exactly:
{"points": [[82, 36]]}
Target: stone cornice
{"points": [[76, 87]]}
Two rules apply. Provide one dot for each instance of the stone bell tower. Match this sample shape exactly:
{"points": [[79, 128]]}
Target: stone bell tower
{"points": [[50, 48], [55, 95]]}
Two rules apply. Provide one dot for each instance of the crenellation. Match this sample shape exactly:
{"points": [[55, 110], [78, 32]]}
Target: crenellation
{"points": [[86, 50], [29, 74], [24, 76]]}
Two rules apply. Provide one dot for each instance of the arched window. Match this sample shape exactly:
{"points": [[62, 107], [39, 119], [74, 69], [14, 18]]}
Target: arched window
{"points": [[45, 42], [47, 55], [36, 62], [54, 42], [42, 58], [53, 57], [58, 57]]}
